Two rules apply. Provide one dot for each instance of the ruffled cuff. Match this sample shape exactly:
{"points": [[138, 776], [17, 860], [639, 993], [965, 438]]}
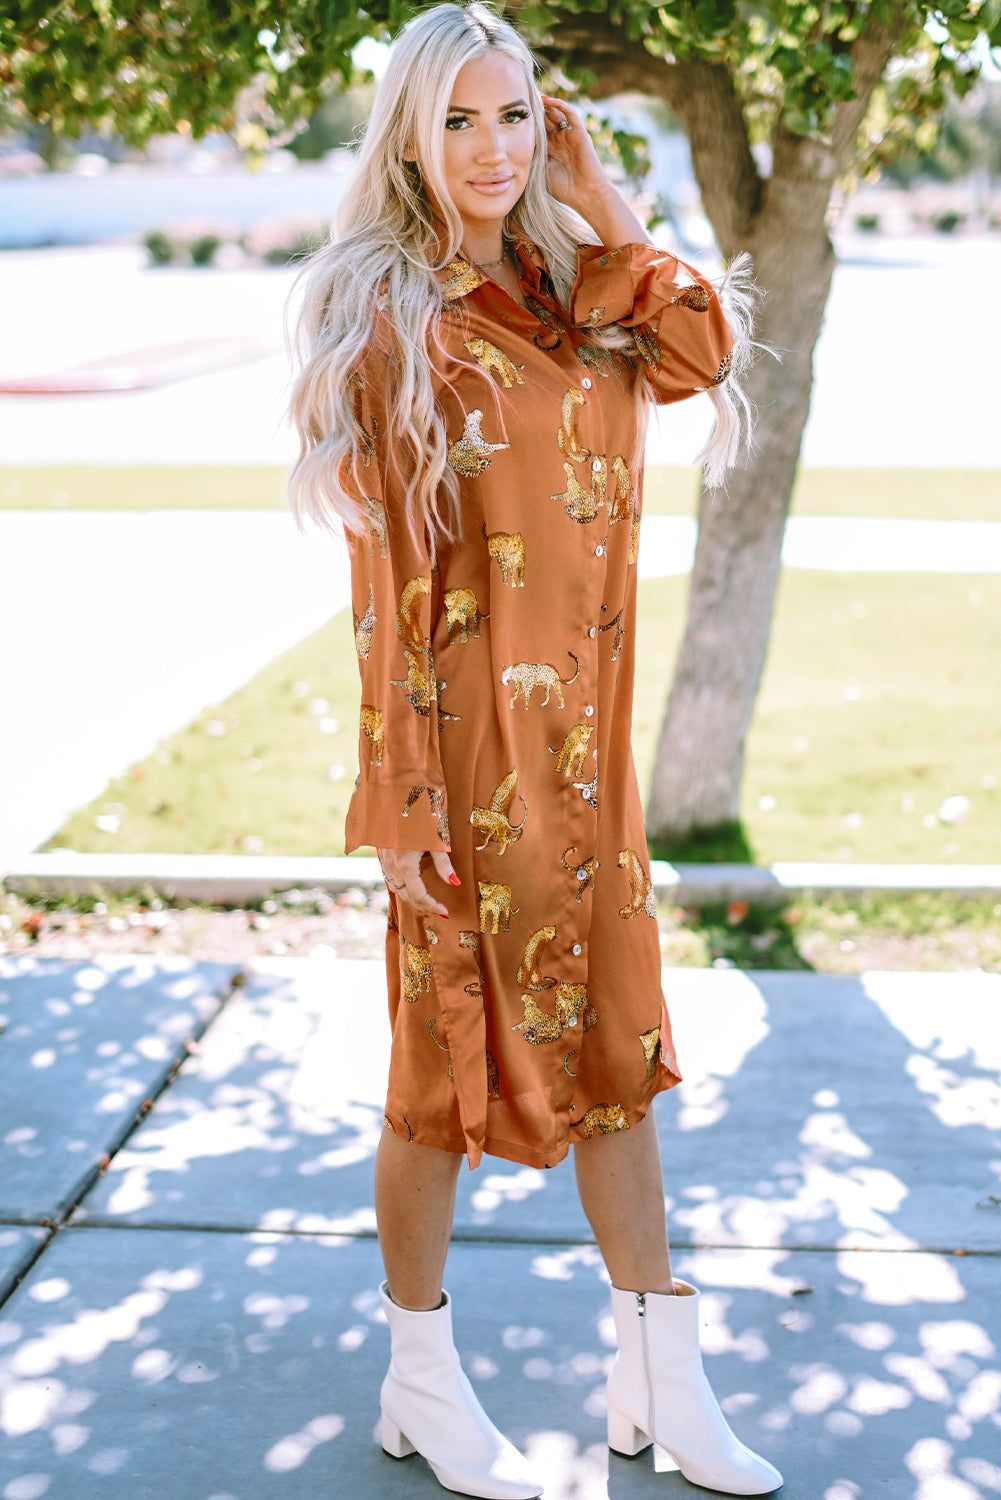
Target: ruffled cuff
{"points": [[610, 282], [674, 314], [397, 815]]}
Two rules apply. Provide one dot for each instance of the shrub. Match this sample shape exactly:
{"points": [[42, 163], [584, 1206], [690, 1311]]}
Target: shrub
{"points": [[278, 242], [160, 248], [202, 250]]}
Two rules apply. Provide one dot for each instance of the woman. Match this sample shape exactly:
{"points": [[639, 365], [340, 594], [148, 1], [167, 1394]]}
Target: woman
{"points": [[479, 347]]}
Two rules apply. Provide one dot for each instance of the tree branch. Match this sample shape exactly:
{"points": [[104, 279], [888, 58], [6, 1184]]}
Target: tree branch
{"points": [[870, 52], [702, 95]]}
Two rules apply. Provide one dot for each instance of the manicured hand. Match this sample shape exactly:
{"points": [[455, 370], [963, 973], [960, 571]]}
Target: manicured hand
{"points": [[574, 172], [402, 869]]}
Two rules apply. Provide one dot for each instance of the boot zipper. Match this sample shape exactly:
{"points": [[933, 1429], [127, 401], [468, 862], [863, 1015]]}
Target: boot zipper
{"points": [[641, 1312]]}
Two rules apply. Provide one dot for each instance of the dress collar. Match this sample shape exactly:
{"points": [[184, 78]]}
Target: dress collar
{"points": [[460, 276]]}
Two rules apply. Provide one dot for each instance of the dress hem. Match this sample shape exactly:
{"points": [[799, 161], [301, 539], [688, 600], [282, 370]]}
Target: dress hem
{"points": [[509, 1150]]}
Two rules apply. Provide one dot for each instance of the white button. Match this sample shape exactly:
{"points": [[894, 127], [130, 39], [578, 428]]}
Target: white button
{"points": [[582, 873], [576, 950], [599, 551], [586, 383], [596, 465], [591, 633], [589, 710]]}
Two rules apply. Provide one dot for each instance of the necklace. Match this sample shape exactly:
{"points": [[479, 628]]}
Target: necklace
{"points": [[488, 265]]}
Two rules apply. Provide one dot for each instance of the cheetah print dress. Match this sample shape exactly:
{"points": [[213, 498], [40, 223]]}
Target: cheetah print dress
{"points": [[496, 706]]}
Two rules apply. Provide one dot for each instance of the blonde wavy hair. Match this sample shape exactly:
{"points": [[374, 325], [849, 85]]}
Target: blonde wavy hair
{"points": [[378, 273]]}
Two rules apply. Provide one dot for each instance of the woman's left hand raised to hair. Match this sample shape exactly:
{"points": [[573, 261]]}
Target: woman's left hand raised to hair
{"points": [[577, 178]]}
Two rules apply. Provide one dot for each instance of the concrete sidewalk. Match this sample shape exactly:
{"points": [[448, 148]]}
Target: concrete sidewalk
{"points": [[202, 1323]]}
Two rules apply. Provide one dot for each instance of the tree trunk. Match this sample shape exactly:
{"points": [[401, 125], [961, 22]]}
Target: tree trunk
{"points": [[781, 220], [700, 754]]}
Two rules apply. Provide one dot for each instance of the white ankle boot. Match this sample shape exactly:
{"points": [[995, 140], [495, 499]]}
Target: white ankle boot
{"points": [[429, 1407], [658, 1392]]}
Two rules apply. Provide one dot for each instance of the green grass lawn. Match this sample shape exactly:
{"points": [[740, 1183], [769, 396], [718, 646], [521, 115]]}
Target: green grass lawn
{"points": [[153, 487], [962, 494], [879, 702]]}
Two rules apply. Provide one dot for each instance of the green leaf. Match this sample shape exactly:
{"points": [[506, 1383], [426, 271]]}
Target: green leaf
{"points": [[787, 61]]}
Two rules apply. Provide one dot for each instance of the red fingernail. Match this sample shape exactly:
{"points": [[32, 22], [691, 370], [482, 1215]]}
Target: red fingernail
{"points": [[446, 916], [453, 879]]}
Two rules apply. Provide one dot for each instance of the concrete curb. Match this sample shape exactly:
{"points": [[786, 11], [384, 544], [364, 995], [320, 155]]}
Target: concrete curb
{"points": [[235, 880]]}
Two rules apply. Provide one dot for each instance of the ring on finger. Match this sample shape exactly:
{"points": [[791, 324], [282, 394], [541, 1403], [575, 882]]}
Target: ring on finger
{"points": [[393, 886], [564, 125]]}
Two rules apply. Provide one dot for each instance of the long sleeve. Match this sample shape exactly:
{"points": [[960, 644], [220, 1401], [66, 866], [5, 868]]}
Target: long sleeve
{"points": [[673, 312], [399, 799]]}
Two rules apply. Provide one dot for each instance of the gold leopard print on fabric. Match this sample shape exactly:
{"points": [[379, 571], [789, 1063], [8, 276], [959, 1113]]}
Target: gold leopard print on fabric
{"points": [[726, 365], [593, 357], [696, 297], [415, 971], [530, 975], [439, 809], [408, 620], [545, 315], [537, 1025], [470, 454], [634, 538], [493, 823], [462, 613], [589, 789], [571, 1001], [419, 689], [373, 728], [495, 906], [650, 1041], [580, 504], [463, 279], [621, 508], [567, 437], [507, 549], [529, 675], [642, 900], [616, 623], [365, 438], [471, 940], [583, 869], [602, 1119], [440, 1045], [495, 362], [375, 520], [364, 627], [570, 756], [648, 344]]}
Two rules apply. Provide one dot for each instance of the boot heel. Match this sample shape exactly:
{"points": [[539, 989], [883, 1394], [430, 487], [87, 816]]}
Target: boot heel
{"points": [[624, 1437], [393, 1441]]}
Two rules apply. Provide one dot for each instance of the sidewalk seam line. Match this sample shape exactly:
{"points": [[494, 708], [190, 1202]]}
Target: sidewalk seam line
{"points": [[89, 1179], [468, 1238]]}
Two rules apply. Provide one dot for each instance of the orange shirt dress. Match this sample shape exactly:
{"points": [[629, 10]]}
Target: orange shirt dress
{"points": [[496, 706]]}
